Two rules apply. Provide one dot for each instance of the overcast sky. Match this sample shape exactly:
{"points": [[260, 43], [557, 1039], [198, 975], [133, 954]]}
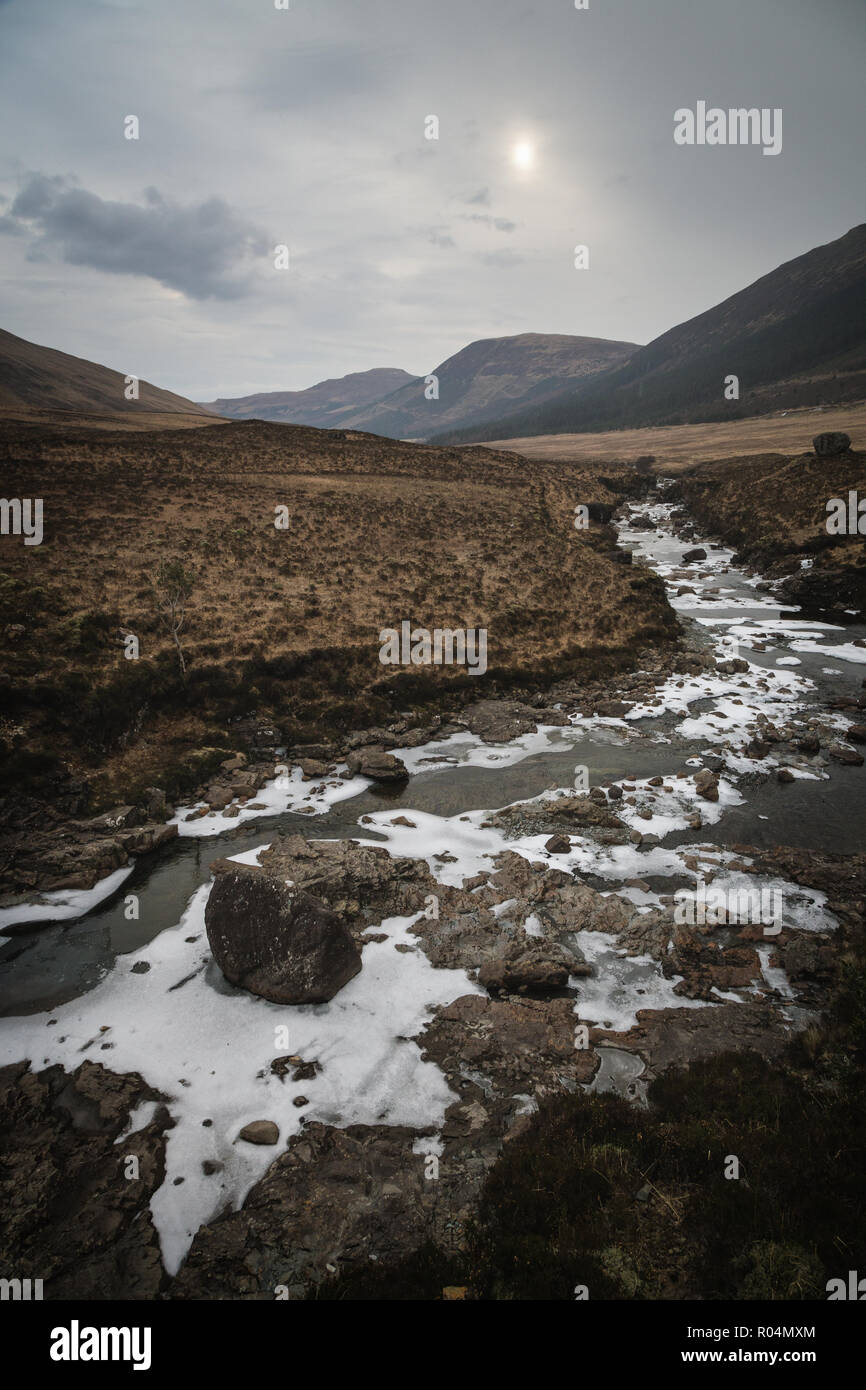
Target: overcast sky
{"points": [[306, 127]]}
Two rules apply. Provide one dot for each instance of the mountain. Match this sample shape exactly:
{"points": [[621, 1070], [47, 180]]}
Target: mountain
{"points": [[36, 379], [327, 404], [487, 379], [796, 337]]}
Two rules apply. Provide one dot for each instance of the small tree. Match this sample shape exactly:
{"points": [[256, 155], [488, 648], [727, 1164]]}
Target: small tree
{"points": [[172, 587]]}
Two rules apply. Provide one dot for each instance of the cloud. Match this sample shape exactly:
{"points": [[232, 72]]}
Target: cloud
{"points": [[482, 196], [501, 224], [501, 260], [199, 250]]}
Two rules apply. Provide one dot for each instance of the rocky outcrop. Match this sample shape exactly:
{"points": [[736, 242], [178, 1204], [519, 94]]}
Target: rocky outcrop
{"points": [[74, 1209], [277, 941]]}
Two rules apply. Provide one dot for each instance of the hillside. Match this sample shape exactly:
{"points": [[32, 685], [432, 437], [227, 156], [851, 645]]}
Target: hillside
{"points": [[488, 378], [35, 380], [286, 622], [795, 338], [772, 508], [327, 404], [670, 448]]}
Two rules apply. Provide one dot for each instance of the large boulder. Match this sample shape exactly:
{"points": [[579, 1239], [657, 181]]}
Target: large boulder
{"points": [[277, 941], [834, 442], [378, 765]]}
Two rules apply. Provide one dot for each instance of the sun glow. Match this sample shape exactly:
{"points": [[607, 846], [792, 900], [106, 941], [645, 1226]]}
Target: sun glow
{"points": [[523, 155]]}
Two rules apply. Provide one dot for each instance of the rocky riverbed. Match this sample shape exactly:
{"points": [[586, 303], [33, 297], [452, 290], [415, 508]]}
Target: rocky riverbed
{"points": [[508, 947]]}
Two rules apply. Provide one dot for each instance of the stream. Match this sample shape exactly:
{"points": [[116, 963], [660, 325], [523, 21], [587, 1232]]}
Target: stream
{"points": [[64, 983]]}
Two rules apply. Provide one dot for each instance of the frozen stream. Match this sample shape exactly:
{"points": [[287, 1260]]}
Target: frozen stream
{"points": [[142, 995]]}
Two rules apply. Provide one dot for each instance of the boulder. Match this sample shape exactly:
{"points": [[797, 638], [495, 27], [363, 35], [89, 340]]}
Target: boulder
{"points": [[527, 970], [260, 1132], [376, 764], [843, 753], [278, 942], [558, 844], [691, 556], [831, 444]]}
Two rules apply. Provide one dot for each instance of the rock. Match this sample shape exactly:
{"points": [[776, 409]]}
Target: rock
{"points": [[830, 444], [857, 733], [612, 709], [499, 721], [312, 767], [692, 556], [155, 804], [785, 774], [527, 970], [218, 797], [558, 844], [278, 942], [66, 1217], [842, 753], [118, 818], [809, 743], [707, 784], [378, 765], [260, 1132]]}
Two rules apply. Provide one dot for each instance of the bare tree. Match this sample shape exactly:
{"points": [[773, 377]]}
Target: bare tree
{"points": [[172, 586]]}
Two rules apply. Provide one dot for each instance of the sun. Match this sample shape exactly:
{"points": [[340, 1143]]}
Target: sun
{"points": [[523, 155]]}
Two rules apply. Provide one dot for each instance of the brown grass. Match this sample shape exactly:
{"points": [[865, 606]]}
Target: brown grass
{"points": [[678, 446]]}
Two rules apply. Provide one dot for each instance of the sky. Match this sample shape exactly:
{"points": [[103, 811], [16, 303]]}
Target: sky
{"points": [[306, 128]]}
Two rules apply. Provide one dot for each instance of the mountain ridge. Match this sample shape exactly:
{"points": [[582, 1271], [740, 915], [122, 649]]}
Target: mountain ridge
{"points": [[794, 337]]}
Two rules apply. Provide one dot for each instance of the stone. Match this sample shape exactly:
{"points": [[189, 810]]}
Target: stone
{"points": [[260, 1132], [692, 556], [378, 765], [831, 444], [558, 844], [280, 943], [842, 753]]}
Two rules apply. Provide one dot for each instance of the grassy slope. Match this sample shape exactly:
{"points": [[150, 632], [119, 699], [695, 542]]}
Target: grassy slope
{"points": [[286, 623]]}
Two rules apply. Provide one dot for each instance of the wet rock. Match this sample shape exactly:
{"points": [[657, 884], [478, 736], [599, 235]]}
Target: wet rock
{"points": [[693, 556], [278, 942], [844, 753], [857, 733], [809, 743]]}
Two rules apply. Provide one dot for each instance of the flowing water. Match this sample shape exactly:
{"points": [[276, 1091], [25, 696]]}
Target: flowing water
{"points": [[61, 984]]}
